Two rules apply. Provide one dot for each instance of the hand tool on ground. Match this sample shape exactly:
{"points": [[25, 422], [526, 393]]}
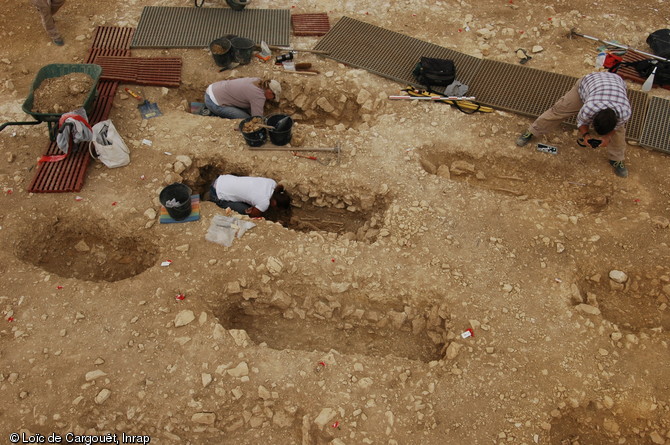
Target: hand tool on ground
{"points": [[147, 109], [618, 45], [337, 149], [313, 51], [646, 86], [460, 104], [434, 97]]}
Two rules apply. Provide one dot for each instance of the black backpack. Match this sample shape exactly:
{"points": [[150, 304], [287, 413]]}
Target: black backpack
{"points": [[645, 67], [434, 72], [659, 42]]}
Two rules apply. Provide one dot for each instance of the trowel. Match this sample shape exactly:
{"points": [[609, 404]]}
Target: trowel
{"points": [[147, 109]]}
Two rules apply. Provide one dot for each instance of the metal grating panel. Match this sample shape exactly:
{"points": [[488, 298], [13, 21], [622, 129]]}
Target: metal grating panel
{"points": [[158, 71], [656, 134], [519, 89], [639, 103], [183, 27], [112, 38], [388, 53], [310, 24]]}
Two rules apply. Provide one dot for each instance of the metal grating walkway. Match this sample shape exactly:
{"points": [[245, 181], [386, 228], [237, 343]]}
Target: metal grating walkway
{"points": [[310, 24], [387, 53], [158, 71], [505, 86], [656, 134], [69, 174], [184, 27]]}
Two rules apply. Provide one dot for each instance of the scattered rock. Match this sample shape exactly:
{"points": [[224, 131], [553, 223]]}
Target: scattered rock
{"points": [[183, 318], [102, 396], [81, 246], [204, 418], [94, 375], [618, 276], [587, 309], [325, 416], [239, 371]]}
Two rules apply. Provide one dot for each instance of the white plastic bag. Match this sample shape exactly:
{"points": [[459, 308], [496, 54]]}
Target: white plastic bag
{"points": [[109, 147]]}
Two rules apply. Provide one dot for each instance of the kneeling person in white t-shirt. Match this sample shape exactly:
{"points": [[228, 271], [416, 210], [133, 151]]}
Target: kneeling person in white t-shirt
{"points": [[248, 195]]}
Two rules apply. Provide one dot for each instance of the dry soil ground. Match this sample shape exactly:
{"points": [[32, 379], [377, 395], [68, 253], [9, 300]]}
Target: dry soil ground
{"points": [[344, 327]]}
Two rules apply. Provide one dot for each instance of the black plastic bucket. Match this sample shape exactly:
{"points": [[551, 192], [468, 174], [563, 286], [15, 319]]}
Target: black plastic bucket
{"points": [[254, 138], [176, 198], [243, 49], [281, 135], [222, 52], [237, 5]]}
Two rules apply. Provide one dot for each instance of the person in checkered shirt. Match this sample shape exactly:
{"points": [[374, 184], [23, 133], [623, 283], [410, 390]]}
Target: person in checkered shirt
{"points": [[601, 102]]}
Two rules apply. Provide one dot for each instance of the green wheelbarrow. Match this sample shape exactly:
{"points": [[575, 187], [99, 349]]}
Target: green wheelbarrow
{"points": [[51, 71]]}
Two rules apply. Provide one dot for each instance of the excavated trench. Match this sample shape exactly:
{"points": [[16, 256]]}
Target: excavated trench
{"points": [[310, 211], [307, 104], [313, 324], [542, 178], [594, 424], [633, 306], [85, 250]]}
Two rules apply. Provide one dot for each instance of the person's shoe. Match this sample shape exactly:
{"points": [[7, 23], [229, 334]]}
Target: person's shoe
{"points": [[59, 41], [524, 139], [619, 168]]}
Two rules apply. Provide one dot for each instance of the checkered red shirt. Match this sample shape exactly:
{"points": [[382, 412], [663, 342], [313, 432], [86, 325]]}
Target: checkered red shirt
{"points": [[603, 90]]}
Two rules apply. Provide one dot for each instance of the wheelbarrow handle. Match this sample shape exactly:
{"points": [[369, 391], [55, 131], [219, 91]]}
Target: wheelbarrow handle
{"points": [[6, 124]]}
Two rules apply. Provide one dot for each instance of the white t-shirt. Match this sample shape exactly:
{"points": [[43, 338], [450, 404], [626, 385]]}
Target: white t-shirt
{"points": [[248, 189]]}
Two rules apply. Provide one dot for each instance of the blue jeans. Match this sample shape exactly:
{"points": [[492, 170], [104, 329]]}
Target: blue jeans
{"points": [[225, 112], [239, 207]]}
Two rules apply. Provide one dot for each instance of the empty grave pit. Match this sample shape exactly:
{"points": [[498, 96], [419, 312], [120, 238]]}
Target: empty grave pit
{"points": [[356, 217], [638, 305], [317, 324], [86, 251], [521, 178]]}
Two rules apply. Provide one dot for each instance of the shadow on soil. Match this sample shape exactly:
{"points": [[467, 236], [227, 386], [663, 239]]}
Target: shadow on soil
{"points": [[85, 250]]}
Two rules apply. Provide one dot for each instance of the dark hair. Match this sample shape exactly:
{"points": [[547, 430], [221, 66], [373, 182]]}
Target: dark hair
{"points": [[282, 198], [604, 121]]}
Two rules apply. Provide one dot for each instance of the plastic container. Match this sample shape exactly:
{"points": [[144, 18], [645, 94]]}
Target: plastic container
{"points": [[221, 52], [600, 60], [243, 49], [176, 198], [237, 5], [254, 138], [281, 135]]}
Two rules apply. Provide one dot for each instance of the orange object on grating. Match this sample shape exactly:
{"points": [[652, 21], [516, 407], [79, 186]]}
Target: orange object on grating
{"points": [[315, 24]]}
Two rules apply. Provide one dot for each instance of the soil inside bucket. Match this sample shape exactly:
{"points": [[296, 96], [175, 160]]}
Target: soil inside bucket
{"points": [[253, 130]]}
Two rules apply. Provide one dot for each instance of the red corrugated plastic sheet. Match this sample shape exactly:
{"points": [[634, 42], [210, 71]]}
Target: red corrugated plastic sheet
{"points": [[310, 24], [68, 175]]}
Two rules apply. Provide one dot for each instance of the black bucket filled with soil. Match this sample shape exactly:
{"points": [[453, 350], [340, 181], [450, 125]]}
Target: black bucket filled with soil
{"points": [[253, 130], [243, 49], [222, 52], [176, 198], [281, 133]]}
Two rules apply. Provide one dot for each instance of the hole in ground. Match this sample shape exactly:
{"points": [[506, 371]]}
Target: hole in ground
{"points": [[594, 424], [86, 251], [541, 179], [306, 103], [633, 306], [327, 326], [310, 211]]}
